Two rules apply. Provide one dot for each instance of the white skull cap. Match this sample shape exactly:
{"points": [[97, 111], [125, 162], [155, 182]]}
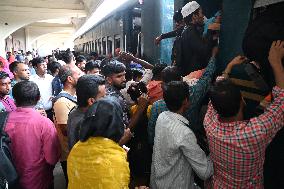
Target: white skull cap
{"points": [[189, 8]]}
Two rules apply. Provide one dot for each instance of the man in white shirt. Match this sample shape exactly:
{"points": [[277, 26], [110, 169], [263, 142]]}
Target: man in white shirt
{"points": [[43, 81], [176, 154]]}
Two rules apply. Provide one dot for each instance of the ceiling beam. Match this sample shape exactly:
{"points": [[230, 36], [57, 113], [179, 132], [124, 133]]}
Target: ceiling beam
{"points": [[43, 4], [13, 10]]}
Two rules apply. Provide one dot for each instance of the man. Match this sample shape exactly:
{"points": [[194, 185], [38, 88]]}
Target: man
{"points": [[89, 89], [69, 58], [195, 50], [176, 152], [63, 104], [92, 67], [81, 62], [20, 71], [114, 71], [57, 86], [179, 26], [34, 143], [238, 146], [6, 102], [44, 83], [94, 56], [197, 94]]}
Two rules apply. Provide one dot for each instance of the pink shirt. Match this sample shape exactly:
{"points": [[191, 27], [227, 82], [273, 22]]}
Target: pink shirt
{"points": [[35, 147]]}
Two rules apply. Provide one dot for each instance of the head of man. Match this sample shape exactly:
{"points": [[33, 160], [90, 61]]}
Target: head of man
{"points": [[54, 68], [94, 55], [92, 67], [40, 66], [176, 96], [90, 88], [81, 62], [68, 57], [20, 71], [192, 13], [114, 71], [171, 73], [26, 93], [117, 52], [178, 19], [226, 99], [5, 84], [157, 71], [69, 76]]}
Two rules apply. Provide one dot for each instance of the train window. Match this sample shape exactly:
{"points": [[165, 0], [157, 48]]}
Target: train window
{"points": [[100, 46], [104, 45], [116, 41], [96, 45], [109, 45]]}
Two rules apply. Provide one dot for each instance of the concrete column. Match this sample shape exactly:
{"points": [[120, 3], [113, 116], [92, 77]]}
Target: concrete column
{"points": [[2, 48]]}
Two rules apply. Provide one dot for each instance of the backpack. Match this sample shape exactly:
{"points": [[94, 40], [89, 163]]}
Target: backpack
{"points": [[65, 95], [8, 173]]}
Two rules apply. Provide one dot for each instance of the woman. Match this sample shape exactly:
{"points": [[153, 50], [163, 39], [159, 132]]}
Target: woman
{"points": [[97, 161]]}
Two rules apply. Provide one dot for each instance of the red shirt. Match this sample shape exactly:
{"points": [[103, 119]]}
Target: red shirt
{"points": [[35, 147], [238, 148]]}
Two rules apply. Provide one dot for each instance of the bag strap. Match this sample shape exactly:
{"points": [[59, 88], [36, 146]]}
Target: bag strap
{"points": [[65, 95], [3, 120]]}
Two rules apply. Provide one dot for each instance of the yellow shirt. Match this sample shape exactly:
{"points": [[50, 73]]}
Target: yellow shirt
{"points": [[97, 163]]}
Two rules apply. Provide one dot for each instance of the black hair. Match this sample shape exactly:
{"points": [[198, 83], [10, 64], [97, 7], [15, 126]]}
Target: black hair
{"points": [[136, 90], [137, 73], [90, 65], [157, 70], [67, 57], [174, 93], [188, 19], [177, 16], [63, 74], [113, 67], [88, 87], [128, 74], [94, 54], [225, 98], [53, 66], [13, 66], [3, 75], [171, 73], [36, 61], [26, 93], [79, 59]]}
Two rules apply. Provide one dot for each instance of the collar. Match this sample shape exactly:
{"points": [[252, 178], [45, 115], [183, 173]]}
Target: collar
{"points": [[4, 98], [175, 116], [75, 96]]}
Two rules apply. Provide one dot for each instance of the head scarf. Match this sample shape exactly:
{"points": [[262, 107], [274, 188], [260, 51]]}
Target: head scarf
{"points": [[103, 119]]}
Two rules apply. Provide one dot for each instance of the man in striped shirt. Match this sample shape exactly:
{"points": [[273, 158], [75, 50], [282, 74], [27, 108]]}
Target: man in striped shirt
{"points": [[176, 153]]}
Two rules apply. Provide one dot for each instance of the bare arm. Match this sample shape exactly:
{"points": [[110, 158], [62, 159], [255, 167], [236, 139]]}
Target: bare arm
{"points": [[276, 55]]}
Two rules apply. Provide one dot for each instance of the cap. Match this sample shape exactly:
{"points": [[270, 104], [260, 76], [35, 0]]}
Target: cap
{"points": [[189, 8]]}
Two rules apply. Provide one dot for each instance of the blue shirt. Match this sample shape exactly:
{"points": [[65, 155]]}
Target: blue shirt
{"points": [[197, 93]]}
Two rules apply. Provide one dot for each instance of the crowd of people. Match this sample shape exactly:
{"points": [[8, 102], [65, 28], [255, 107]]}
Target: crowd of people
{"points": [[125, 123]]}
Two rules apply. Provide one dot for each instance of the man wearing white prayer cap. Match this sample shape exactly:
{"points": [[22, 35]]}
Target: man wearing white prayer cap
{"points": [[196, 50]]}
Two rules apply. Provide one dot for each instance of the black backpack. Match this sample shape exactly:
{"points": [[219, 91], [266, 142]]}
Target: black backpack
{"points": [[8, 173]]}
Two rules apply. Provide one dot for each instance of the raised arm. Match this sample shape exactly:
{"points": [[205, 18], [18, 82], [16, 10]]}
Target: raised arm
{"points": [[129, 57], [198, 91], [271, 121]]}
